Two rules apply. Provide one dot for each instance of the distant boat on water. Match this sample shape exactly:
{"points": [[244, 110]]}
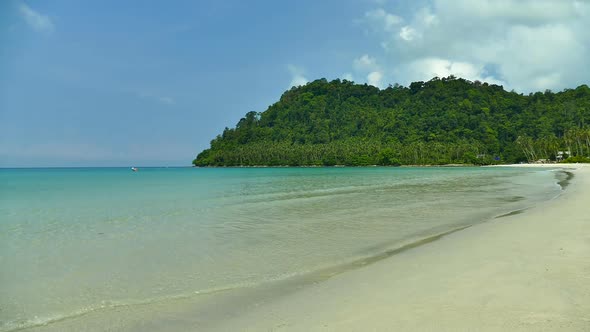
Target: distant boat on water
{"points": [[135, 169]]}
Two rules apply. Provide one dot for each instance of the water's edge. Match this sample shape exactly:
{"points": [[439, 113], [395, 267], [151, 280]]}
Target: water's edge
{"points": [[268, 290]]}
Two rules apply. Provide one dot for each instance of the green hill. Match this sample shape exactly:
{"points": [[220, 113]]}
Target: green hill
{"points": [[442, 121]]}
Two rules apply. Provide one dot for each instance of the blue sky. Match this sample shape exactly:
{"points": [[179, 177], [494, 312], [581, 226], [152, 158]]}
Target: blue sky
{"points": [[112, 83]]}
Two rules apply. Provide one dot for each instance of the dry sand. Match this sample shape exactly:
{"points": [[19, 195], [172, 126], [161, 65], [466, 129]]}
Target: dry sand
{"points": [[527, 272]]}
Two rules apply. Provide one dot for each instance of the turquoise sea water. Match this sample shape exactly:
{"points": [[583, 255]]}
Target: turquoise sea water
{"points": [[74, 241]]}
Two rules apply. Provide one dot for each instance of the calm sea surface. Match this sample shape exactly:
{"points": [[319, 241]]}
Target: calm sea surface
{"points": [[74, 241]]}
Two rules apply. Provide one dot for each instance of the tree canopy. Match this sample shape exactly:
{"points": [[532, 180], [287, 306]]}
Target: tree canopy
{"points": [[442, 121]]}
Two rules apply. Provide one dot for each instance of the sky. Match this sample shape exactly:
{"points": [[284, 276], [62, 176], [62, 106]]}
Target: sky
{"points": [[150, 83]]}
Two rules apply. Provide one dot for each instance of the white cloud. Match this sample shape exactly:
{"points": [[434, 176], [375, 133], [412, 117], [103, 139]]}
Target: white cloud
{"points": [[375, 78], [425, 69], [528, 45], [407, 33], [431, 67], [297, 77], [380, 19], [298, 80], [425, 17], [367, 66], [35, 20], [529, 12], [364, 63], [348, 77]]}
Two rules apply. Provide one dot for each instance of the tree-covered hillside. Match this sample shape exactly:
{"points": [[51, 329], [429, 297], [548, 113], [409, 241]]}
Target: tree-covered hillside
{"points": [[449, 120]]}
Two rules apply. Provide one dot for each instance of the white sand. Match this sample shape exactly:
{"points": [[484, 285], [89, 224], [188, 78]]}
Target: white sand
{"points": [[528, 272]]}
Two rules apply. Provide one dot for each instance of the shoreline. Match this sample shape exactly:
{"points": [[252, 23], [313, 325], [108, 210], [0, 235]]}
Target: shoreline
{"points": [[550, 165], [285, 301], [524, 271]]}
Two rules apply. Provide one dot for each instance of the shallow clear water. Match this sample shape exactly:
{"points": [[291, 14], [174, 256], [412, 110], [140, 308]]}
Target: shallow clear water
{"points": [[75, 240]]}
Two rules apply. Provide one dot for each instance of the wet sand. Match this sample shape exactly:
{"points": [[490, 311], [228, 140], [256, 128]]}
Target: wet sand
{"points": [[523, 272]]}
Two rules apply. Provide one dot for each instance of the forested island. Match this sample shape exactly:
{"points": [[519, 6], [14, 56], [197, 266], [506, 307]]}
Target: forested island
{"points": [[443, 121]]}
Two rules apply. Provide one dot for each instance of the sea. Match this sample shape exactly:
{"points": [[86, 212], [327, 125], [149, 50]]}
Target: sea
{"points": [[81, 241]]}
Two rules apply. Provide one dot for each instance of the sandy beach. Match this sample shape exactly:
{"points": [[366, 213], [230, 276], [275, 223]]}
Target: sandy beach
{"points": [[525, 272]]}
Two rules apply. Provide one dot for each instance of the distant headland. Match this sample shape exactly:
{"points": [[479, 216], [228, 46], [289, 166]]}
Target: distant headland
{"points": [[443, 121]]}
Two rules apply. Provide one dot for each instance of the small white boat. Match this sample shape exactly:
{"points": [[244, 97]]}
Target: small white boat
{"points": [[135, 169]]}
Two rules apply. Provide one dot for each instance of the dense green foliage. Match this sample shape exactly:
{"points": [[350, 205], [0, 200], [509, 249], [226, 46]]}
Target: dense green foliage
{"points": [[577, 159], [441, 121]]}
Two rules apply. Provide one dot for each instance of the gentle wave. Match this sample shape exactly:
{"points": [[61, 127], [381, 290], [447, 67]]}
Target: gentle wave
{"points": [[315, 275], [22, 324], [351, 190]]}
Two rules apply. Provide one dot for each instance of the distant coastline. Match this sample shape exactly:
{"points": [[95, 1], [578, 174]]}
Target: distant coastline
{"points": [[444, 121], [551, 165]]}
